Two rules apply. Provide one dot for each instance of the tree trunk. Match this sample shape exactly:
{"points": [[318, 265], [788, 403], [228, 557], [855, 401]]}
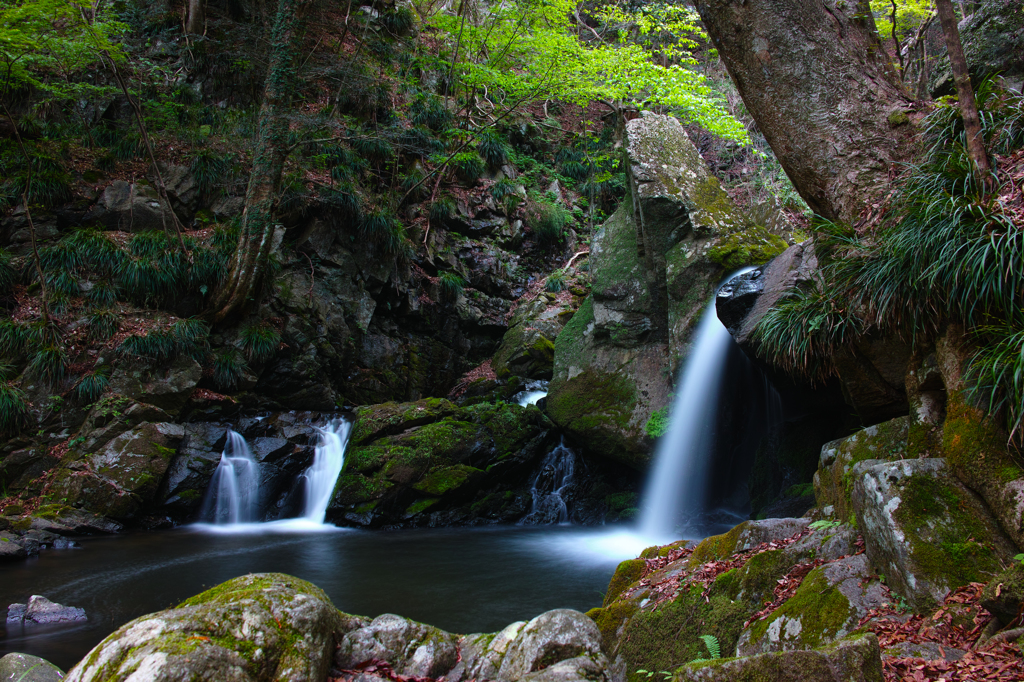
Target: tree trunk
{"points": [[195, 24], [964, 92], [249, 263], [815, 78]]}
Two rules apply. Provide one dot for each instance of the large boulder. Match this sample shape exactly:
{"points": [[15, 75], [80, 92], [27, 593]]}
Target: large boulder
{"points": [[652, 277], [121, 479], [26, 668], [260, 627], [528, 347], [411, 648], [850, 660], [165, 387], [131, 207], [924, 530]]}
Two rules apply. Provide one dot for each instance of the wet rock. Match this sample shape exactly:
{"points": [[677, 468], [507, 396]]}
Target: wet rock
{"points": [[826, 607], [924, 530], [993, 42], [10, 548], [26, 668], [554, 636], [166, 387], [853, 660], [260, 627], [412, 648], [748, 535], [41, 610], [528, 347], [22, 467], [123, 478], [70, 521], [190, 471]]}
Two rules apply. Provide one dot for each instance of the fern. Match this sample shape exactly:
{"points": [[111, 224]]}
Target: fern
{"points": [[714, 648]]}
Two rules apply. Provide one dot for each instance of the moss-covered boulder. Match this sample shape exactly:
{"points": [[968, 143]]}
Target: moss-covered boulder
{"points": [[411, 648], [1004, 595], [833, 481], [27, 668], [120, 480], [413, 462], [924, 530], [652, 278], [850, 660], [260, 627], [166, 387], [827, 606], [528, 347]]}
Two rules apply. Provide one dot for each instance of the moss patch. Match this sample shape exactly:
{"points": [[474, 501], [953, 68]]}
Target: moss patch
{"points": [[627, 573], [597, 406], [753, 246], [823, 612], [376, 421], [446, 479]]}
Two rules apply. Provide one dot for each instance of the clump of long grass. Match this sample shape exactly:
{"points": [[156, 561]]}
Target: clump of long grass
{"points": [[228, 368], [451, 285], [381, 227], [260, 342], [14, 414]]}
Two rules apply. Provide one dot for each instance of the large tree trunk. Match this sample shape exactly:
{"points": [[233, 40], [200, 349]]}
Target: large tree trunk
{"points": [[249, 263], [823, 92]]}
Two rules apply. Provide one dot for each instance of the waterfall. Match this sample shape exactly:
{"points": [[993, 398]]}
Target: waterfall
{"points": [[678, 479], [323, 474], [549, 484], [235, 485], [534, 391]]}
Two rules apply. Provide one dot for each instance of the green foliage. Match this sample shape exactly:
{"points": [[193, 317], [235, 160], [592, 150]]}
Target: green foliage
{"points": [[92, 384], [548, 220], [375, 149], [468, 166], [8, 274], [260, 342], [102, 294], [185, 336], [824, 525], [451, 285], [228, 368], [381, 227], [441, 210], [103, 323], [996, 372], [14, 414], [492, 148], [398, 22], [714, 650], [208, 168], [657, 425], [555, 282], [49, 362], [191, 337], [503, 188], [430, 111]]}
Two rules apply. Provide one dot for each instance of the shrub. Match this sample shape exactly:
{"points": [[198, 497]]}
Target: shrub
{"points": [[468, 166], [431, 112], [549, 221], [555, 282], [260, 342], [158, 344], [191, 338], [8, 275], [228, 368], [92, 384], [492, 148], [376, 150], [14, 414], [399, 21], [450, 285], [503, 188]]}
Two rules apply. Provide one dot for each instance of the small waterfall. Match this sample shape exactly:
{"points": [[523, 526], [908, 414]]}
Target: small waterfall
{"points": [[535, 390], [549, 485], [678, 479], [322, 475], [235, 484]]}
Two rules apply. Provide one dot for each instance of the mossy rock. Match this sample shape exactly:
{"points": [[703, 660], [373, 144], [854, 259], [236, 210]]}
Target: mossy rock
{"points": [[263, 626], [924, 530], [833, 482], [626, 573], [445, 480], [753, 246], [1004, 595], [376, 421]]}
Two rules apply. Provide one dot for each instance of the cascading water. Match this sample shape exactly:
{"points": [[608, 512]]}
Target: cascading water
{"points": [[549, 486], [678, 479], [535, 390], [235, 484], [322, 475]]}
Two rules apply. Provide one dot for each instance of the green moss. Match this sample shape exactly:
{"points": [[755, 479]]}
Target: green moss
{"points": [[823, 611], [657, 425], [598, 405], [446, 440], [610, 618], [446, 479], [898, 118], [753, 246], [620, 501], [190, 495], [717, 547], [627, 573], [420, 506], [376, 421], [354, 489], [370, 458]]}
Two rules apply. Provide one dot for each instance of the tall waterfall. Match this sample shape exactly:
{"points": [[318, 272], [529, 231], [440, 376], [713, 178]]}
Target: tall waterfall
{"points": [[322, 475], [235, 484], [677, 482]]}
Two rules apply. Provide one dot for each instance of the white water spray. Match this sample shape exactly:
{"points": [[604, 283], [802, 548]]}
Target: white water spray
{"points": [[678, 479], [535, 390], [235, 484], [323, 474]]}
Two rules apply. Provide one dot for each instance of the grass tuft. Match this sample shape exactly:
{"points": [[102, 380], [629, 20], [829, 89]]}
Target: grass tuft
{"points": [[260, 342]]}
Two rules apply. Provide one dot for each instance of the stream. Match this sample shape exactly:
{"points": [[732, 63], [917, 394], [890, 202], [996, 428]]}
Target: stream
{"points": [[461, 580]]}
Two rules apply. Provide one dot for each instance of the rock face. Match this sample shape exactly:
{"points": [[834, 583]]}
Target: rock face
{"points": [[993, 40], [528, 347], [167, 388], [924, 530], [853, 660], [258, 627], [26, 668], [652, 277]]}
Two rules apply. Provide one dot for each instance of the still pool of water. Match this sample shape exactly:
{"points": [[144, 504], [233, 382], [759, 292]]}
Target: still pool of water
{"points": [[461, 580]]}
